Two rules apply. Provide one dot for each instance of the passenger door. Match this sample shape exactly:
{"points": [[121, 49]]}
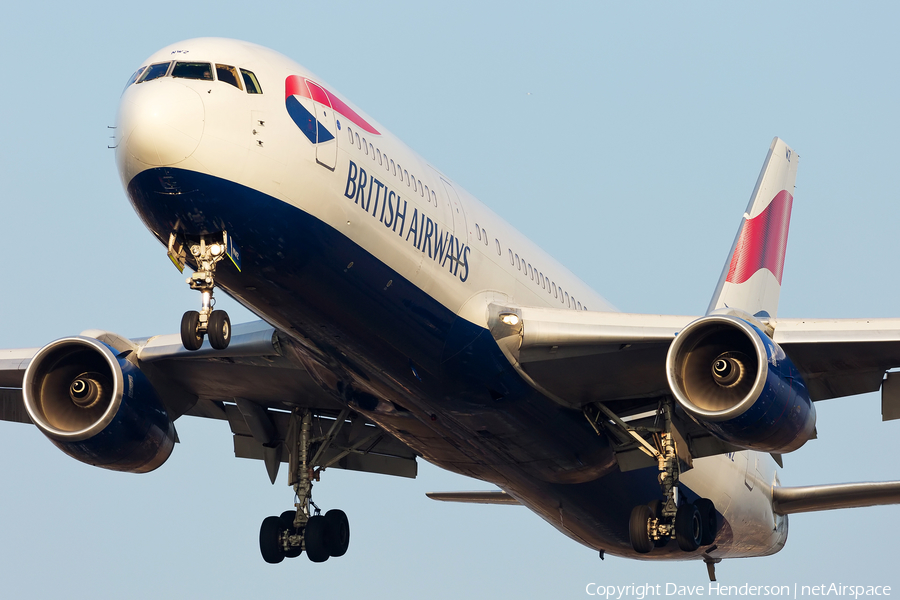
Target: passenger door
{"points": [[326, 144]]}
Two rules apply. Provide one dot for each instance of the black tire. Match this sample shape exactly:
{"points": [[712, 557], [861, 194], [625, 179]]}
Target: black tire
{"points": [[191, 339], [638, 529], [338, 539], [287, 523], [219, 329], [315, 535], [688, 527], [709, 519], [269, 540]]}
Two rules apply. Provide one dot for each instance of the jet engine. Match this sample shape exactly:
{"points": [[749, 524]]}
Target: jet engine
{"points": [[738, 383], [97, 407]]}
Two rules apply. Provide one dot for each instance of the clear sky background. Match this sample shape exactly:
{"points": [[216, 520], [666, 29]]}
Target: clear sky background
{"points": [[624, 138]]}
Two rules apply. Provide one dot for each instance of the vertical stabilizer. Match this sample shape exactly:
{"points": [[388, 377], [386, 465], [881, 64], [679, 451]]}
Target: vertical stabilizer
{"points": [[751, 279]]}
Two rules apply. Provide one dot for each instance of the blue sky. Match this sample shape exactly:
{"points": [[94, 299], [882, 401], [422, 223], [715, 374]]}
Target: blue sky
{"points": [[624, 138]]}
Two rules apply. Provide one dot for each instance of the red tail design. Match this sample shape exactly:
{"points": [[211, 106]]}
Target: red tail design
{"points": [[763, 241]]}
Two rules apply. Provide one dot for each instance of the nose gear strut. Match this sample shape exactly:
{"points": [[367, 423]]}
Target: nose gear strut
{"points": [[207, 251]]}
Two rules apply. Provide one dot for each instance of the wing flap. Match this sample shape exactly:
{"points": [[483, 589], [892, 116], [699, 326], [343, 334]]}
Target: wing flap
{"points": [[12, 406], [840, 357]]}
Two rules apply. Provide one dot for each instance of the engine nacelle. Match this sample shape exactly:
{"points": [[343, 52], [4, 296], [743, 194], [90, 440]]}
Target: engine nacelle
{"points": [[739, 384], [97, 408]]}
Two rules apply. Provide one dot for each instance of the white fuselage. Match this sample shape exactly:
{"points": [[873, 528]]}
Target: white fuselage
{"points": [[447, 244]]}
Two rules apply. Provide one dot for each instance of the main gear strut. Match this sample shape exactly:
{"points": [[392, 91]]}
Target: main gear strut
{"points": [[655, 524], [305, 528]]}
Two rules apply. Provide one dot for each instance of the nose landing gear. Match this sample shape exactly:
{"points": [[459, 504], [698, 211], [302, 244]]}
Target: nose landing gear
{"points": [[215, 324]]}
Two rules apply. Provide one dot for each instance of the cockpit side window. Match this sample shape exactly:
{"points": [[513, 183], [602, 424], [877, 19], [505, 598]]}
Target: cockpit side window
{"points": [[251, 82], [228, 74], [135, 76], [155, 72], [192, 70]]}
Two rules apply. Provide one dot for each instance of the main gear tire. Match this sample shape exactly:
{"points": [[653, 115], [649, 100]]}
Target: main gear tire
{"points": [[709, 519], [639, 529], [688, 527], [270, 540], [338, 538], [315, 536]]}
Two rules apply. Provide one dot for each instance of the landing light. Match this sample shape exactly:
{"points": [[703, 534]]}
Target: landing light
{"points": [[215, 249], [510, 319]]}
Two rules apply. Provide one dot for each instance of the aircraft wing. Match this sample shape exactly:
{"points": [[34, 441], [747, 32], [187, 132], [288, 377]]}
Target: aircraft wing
{"points": [[253, 385], [581, 357]]}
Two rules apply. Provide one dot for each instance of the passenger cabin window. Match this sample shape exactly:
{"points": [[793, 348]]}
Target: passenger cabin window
{"points": [[477, 231], [155, 72], [511, 259], [250, 82], [499, 252], [554, 289], [228, 74], [484, 236], [393, 167], [378, 152], [192, 70], [350, 133]]}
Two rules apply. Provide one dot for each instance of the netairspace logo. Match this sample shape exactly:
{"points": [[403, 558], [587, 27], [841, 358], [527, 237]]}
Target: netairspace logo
{"points": [[649, 590]]}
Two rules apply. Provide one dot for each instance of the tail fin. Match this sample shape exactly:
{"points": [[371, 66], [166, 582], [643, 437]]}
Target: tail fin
{"points": [[751, 279]]}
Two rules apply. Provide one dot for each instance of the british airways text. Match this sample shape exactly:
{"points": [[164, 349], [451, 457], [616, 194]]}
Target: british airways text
{"points": [[425, 234]]}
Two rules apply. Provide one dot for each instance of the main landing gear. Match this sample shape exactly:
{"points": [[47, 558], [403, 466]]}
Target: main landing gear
{"points": [[653, 525], [212, 323], [305, 528]]}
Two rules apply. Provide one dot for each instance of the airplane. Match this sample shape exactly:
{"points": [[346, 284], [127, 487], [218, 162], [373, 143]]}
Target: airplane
{"points": [[403, 319]]}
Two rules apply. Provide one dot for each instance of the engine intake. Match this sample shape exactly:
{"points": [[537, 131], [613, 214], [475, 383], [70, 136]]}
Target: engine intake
{"points": [[740, 385], [96, 407]]}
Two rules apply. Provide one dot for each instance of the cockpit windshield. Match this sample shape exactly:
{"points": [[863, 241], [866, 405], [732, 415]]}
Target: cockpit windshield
{"points": [[251, 82], [155, 71], [134, 77], [228, 74], [192, 70], [242, 79]]}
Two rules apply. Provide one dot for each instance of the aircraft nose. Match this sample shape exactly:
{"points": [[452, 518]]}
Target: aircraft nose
{"points": [[161, 122]]}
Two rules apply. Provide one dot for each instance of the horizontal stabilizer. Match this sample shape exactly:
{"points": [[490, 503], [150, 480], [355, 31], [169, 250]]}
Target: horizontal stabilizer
{"points": [[483, 497], [789, 500]]}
